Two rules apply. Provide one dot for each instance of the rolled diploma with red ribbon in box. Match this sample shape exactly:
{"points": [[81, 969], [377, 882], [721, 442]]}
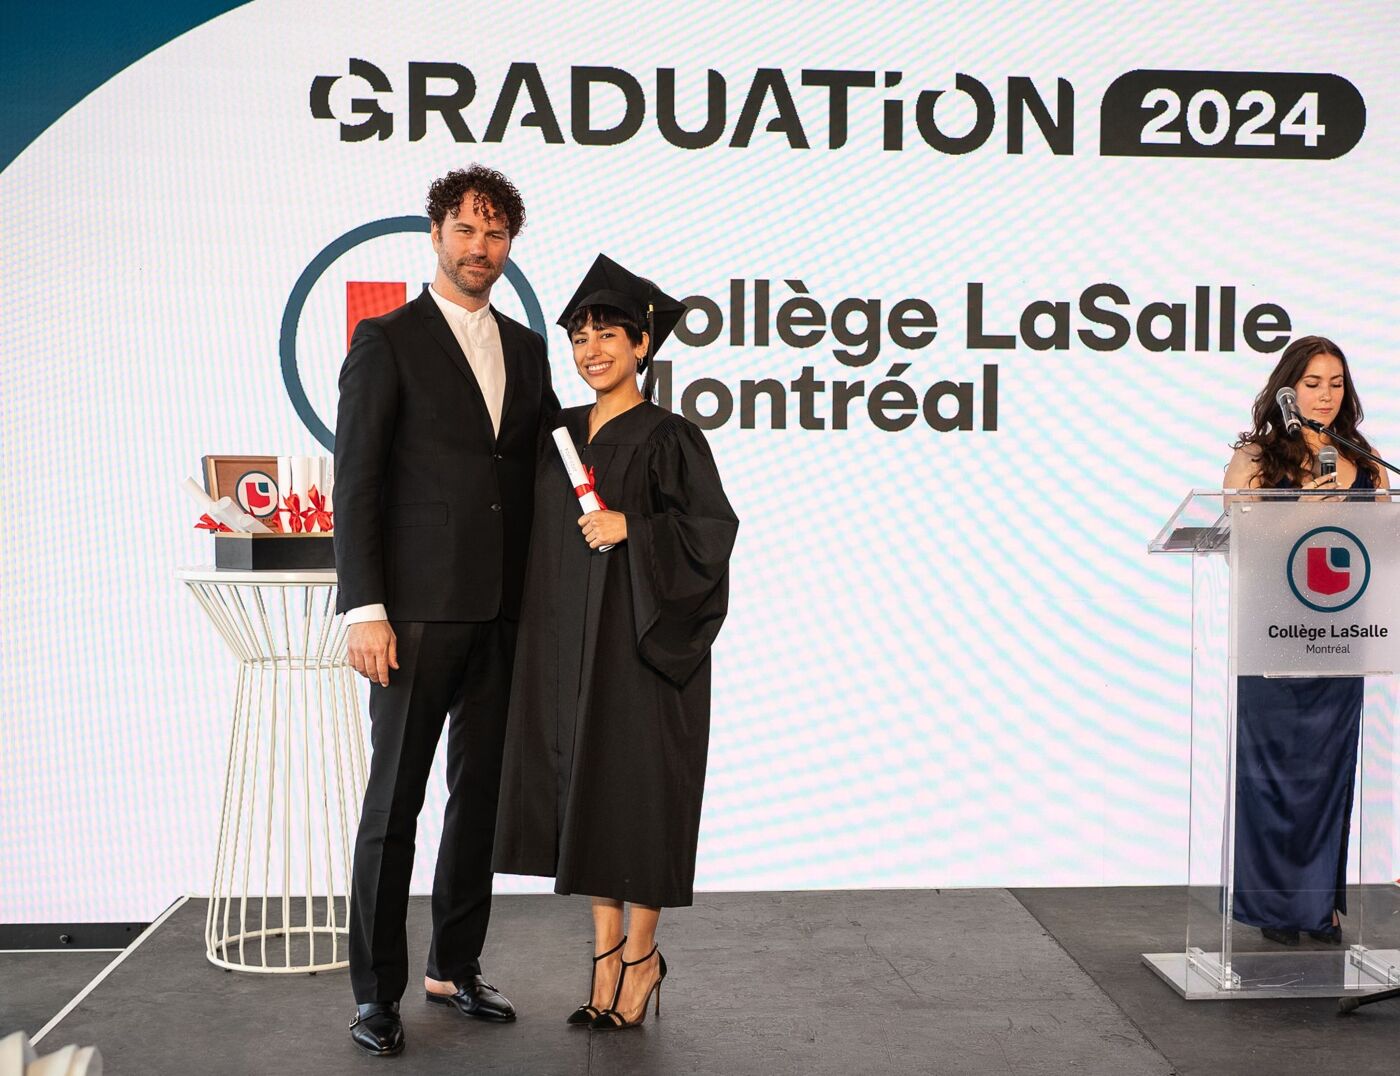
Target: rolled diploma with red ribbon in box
{"points": [[588, 498], [224, 510]]}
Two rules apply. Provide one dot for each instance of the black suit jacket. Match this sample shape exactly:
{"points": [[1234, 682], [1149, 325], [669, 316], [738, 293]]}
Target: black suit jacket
{"points": [[432, 509]]}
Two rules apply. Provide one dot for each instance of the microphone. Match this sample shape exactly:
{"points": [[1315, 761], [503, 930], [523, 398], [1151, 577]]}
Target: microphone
{"points": [[1326, 461], [1287, 401]]}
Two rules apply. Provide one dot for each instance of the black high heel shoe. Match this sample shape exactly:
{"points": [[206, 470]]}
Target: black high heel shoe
{"points": [[586, 1014], [612, 1020]]}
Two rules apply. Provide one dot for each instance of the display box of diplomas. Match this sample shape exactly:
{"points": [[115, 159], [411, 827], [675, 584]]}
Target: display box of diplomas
{"points": [[273, 552]]}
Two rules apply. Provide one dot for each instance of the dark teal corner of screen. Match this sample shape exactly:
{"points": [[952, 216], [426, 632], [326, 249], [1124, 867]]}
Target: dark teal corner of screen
{"points": [[54, 55]]}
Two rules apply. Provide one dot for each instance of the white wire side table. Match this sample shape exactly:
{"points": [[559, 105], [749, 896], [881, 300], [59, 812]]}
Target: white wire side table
{"points": [[280, 897]]}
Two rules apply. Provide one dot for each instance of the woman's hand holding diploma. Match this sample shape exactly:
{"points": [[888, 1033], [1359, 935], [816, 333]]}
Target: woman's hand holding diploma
{"points": [[595, 533], [603, 528]]}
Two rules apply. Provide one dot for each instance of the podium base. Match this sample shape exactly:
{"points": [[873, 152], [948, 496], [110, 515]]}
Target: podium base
{"points": [[1197, 975]]}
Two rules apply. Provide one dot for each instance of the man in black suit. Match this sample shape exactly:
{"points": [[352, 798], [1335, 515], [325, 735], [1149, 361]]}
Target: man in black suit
{"points": [[441, 405]]}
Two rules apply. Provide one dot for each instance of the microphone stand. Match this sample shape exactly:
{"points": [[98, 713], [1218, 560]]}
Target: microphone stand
{"points": [[1351, 1004], [1313, 424]]}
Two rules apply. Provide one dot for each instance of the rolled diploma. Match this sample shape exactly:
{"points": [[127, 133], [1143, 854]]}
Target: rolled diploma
{"points": [[578, 477], [223, 510], [302, 479], [284, 480], [196, 491]]}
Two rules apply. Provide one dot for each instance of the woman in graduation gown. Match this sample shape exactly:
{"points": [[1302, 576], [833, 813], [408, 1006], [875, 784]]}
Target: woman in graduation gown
{"points": [[1297, 737], [604, 763]]}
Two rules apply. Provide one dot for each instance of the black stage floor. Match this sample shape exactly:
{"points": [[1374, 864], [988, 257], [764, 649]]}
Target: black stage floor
{"points": [[1105, 930], [908, 981]]}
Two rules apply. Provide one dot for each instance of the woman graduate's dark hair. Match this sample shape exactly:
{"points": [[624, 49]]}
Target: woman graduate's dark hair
{"points": [[602, 316], [1283, 458], [612, 297]]}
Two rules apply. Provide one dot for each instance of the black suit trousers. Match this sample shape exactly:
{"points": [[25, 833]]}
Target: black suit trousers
{"points": [[460, 671]]}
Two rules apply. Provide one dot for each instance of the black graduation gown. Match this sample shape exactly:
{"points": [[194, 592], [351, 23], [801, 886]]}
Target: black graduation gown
{"points": [[609, 724]]}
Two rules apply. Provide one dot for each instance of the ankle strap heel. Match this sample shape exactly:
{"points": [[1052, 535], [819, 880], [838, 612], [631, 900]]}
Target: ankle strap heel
{"points": [[612, 1020], [585, 1014]]}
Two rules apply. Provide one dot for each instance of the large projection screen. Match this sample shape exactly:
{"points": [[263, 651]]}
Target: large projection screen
{"points": [[978, 294]]}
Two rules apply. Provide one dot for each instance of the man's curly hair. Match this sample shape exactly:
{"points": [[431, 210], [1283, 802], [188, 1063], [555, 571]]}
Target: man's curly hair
{"points": [[492, 195]]}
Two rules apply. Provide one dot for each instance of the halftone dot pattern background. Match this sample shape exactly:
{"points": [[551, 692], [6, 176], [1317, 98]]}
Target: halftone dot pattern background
{"points": [[949, 660]]}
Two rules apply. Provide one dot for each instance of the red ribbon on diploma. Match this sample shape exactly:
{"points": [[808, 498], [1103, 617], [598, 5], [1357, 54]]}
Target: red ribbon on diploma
{"points": [[294, 511], [316, 517], [588, 487], [208, 524]]}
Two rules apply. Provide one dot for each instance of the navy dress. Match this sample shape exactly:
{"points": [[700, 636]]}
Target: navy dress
{"points": [[1295, 779]]}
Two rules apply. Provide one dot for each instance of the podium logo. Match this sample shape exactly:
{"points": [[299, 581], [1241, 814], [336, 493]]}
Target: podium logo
{"points": [[257, 494], [364, 273], [1328, 569]]}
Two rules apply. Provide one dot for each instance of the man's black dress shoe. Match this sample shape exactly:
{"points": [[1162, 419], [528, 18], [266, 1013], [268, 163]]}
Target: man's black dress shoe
{"points": [[1328, 935], [477, 998], [377, 1028], [1279, 936]]}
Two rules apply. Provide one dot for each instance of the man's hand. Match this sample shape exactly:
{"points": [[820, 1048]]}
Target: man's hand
{"points": [[373, 650], [603, 528]]}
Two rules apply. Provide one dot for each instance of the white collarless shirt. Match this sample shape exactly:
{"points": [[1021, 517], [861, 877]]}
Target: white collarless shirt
{"points": [[479, 337]]}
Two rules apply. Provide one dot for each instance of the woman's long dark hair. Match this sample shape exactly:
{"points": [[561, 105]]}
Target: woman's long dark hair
{"points": [[1287, 460]]}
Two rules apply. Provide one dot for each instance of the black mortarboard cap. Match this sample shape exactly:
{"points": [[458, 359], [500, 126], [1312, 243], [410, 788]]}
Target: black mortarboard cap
{"points": [[608, 284]]}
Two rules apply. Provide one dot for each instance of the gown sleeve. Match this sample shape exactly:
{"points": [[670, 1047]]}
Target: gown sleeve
{"points": [[679, 553]]}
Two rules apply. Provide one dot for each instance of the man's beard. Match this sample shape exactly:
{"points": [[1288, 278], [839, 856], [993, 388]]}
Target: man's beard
{"points": [[456, 272]]}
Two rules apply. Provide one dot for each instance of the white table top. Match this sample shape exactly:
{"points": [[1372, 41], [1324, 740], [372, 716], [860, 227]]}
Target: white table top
{"points": [[207, 573]]}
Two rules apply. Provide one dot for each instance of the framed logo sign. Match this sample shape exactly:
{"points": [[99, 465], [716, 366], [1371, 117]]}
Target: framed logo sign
{"points": [[250, 480], [1315, 587]]}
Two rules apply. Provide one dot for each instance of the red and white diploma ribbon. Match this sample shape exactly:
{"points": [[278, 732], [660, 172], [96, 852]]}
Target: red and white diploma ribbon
{"points": [[580, 479], [588, 489], [291, 504], [316, 517]]}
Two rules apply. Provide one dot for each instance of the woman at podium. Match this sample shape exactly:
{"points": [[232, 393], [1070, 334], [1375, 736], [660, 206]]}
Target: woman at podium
{"points": [[1296, 755]]}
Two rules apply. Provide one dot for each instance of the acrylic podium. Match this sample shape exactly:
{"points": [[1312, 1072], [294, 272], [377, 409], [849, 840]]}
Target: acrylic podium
{"points": [[1295, 625], [279, 900]]}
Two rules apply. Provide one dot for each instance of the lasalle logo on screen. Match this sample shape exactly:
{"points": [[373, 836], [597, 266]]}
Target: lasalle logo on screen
{"points": [[368, 271], [1329, 569]]}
